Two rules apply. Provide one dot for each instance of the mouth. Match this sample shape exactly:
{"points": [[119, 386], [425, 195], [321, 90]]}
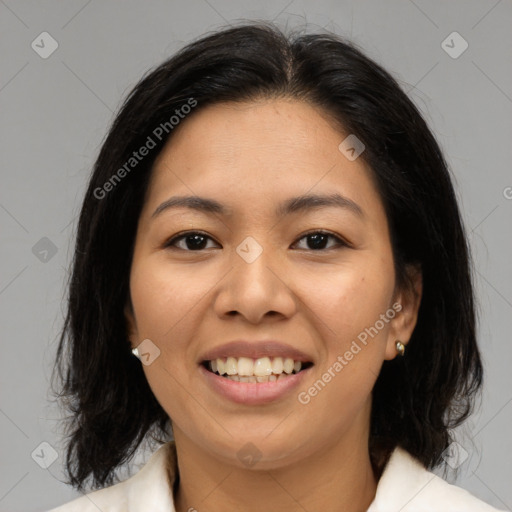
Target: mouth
{"points": [[261, 370]]}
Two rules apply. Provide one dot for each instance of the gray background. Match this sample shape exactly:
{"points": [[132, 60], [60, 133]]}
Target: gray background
{"points": [[55, 113]]}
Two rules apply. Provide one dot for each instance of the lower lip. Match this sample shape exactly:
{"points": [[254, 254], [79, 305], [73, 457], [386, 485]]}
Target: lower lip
{"points": [[253, 393]]}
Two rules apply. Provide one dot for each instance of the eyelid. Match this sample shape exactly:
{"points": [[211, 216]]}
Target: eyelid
{"points": [[341, 241], [183, 234]]}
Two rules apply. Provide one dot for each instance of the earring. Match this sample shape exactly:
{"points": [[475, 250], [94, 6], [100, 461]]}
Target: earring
{"points": [[135, 352], [400, 347]]}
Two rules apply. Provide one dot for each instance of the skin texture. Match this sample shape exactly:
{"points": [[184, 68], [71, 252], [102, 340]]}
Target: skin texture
{"points": [[250, 157]]}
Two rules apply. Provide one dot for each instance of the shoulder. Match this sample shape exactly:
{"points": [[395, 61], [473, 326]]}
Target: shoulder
{"points": [[149, 489], [407, 486], [110, 499]]}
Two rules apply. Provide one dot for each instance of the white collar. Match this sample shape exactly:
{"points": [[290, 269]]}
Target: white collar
{"points": [[405, 486]]}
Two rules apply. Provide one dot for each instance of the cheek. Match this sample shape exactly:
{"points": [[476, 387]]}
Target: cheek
{"points": [[165, 301], [350, 299], [162, 297], [348, 307]]}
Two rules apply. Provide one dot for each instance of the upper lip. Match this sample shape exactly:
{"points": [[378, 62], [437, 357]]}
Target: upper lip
{"points": [[255, 350]]}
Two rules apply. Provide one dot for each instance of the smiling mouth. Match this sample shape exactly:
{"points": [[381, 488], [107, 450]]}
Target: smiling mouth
{"points": [[263, 369]]}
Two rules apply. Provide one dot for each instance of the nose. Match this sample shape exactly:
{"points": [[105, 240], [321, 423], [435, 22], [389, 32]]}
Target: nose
{"points": [[256, 289]]}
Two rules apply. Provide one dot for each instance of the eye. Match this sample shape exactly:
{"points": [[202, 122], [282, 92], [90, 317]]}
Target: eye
{"points": [[193, 241], [318, 239]]}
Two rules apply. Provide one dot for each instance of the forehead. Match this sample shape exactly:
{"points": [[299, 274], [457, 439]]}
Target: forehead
{"points": [[282, 129], [266, 149]]}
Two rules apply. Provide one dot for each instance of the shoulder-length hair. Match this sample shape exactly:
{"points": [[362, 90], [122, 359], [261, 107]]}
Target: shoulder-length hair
{"points": [[417, 399]]}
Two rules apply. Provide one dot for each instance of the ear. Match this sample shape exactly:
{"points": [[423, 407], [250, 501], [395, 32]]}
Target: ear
{"points": [[131, 324], [409, 298]]}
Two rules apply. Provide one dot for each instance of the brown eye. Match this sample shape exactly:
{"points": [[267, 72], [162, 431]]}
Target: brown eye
{"points": [[191, 241], [317, 240], [194, 241]]}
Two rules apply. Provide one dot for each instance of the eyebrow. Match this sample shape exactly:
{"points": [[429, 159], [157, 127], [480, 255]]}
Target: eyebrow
{"points": [[289, 206]]}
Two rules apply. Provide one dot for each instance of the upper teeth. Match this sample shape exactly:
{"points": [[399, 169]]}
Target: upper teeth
{"points": [[247, 366]]}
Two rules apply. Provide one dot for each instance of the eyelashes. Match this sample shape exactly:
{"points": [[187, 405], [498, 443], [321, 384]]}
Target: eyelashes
{"points": [[196, 239], [320, 236], [190, 235]]}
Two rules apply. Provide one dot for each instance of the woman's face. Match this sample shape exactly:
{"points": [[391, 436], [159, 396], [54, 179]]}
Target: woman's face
{"points": [[260, 271]]}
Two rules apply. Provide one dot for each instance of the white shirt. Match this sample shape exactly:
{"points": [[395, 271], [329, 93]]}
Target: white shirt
{"points": [[404, 486]]}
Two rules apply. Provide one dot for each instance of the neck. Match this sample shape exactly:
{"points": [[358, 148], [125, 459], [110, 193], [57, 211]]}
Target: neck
{"points": [[337, 477]]}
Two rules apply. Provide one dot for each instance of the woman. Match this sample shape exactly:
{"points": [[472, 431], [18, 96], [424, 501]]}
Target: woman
{"points": [[271, 268]]}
